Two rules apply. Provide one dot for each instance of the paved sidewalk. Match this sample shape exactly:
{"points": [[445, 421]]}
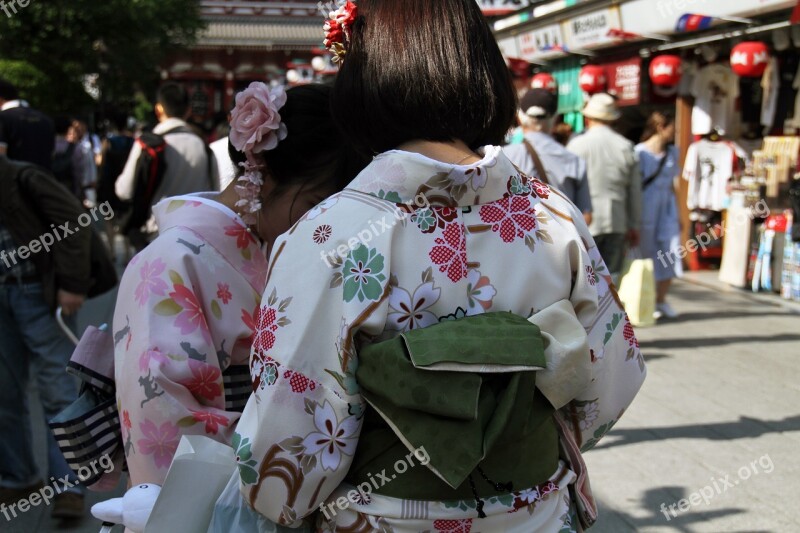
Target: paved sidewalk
{"points": [[722, 393]]}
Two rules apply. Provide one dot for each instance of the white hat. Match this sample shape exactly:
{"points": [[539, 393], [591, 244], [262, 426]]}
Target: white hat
{"points": [[602, 106]]}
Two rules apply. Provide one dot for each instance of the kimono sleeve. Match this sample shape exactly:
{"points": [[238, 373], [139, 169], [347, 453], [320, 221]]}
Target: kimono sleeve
{"points": [[168, 374], [299, 431], [618, 368]]}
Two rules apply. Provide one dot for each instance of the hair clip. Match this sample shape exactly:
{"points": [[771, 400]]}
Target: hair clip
{"points": [[338, 30]]}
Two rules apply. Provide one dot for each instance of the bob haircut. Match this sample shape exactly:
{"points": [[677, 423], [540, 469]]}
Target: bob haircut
{"points": [[423, 70]]}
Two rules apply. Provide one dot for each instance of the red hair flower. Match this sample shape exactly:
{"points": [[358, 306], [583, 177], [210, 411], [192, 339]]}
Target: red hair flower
{"points": [[338, 30]]}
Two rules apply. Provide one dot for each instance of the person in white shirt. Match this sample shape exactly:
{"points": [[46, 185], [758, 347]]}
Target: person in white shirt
{"points": [[565, 170], [615, 181], [188, 169]]}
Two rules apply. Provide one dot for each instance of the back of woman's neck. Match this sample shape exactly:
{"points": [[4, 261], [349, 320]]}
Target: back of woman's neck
{"points": [[656, 145], [451, 152]]}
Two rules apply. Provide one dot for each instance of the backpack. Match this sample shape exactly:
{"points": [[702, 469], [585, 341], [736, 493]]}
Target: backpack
{"points": [[149, 173], [63, 169]]}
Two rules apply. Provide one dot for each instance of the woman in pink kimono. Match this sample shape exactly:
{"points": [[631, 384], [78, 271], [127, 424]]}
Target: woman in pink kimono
{"points": [[188, 304], [394, 390]]}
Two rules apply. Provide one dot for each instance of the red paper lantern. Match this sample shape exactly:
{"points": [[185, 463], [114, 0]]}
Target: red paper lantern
{"points": [[749, 59], [666, 71], [543, 80], [593, 79]]}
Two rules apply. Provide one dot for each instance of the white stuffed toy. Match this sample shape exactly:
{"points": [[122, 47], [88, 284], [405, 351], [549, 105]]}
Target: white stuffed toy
{"points": [[132, 510]]}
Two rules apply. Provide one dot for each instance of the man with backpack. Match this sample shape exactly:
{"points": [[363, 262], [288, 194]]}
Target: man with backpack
{"points": [[39, 270], [170, 161]]}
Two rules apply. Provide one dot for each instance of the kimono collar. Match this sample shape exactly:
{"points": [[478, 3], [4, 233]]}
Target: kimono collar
{"points": [[217, 226], [400, 177]]}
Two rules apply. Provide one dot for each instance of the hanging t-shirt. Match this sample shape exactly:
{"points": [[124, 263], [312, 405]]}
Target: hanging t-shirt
{"points": [[715, 89], [771, 85], [708, 167]]}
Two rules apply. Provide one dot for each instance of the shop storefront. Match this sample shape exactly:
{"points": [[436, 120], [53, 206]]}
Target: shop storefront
{"points": [[737, 109]]}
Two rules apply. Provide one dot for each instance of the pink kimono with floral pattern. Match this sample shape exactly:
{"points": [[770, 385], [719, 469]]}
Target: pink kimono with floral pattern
{"points": [[182, 331], [412, 242]]}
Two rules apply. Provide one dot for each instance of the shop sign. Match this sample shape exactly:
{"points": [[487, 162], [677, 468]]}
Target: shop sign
{"points": [[508, 47], [625, 80], [662, 16], [502, 7], [541, 43], [592, 30]]}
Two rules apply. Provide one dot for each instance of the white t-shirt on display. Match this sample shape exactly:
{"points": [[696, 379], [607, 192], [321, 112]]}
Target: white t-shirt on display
{"points": [[708, 167], [715, 89]]}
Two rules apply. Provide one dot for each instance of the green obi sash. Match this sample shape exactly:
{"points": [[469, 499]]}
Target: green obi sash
{"points": [[461, 394]]}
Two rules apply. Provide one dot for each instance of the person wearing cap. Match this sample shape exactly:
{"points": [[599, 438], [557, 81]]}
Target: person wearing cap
{"points": [[564, 170], [614, 178]]}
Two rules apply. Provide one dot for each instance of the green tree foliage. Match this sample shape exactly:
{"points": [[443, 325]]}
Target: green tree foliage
{"points": [[123, 41]]}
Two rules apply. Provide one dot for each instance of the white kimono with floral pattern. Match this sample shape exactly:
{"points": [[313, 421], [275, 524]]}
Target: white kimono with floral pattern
{"points": [[375, 260], [183, 327]]}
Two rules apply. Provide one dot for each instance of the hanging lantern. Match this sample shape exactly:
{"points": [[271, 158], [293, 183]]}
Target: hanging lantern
{"points": [[593, 79], [666, 70], [545, 81], [749, 59], [519, 67]]}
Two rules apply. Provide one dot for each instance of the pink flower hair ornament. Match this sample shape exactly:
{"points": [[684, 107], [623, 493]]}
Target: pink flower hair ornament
{"points": [[338, 30], [255, 127]]}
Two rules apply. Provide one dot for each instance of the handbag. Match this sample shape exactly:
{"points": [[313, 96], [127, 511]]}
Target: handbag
{"points": [[88, 430], [637, 288]]}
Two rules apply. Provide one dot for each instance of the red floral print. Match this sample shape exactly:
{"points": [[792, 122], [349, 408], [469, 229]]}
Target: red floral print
{"points": [[126, 419], [512, 217], [206, 382], [450, 252], [453, 526], [224, 293], [212, 421], [299, 382], [627, 332], [322, 234], [266, 328], [243, 237], [540, 189]]}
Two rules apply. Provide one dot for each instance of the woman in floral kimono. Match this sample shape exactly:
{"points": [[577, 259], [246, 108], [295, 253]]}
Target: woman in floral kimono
{"points": [[188, 304], [415, 267]]}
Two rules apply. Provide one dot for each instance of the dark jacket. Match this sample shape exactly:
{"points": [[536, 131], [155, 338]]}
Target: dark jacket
{"points": [[30, 201], [29, 134]]}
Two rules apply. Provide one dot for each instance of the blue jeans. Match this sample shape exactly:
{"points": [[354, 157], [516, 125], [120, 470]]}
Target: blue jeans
{"points": [[30, 342]]}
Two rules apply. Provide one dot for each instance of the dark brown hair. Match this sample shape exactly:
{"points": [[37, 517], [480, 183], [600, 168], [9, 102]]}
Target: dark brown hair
{"points": [[658, 119], [423, 69], [313, 152]]}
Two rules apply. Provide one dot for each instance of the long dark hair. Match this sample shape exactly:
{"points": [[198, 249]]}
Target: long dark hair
{"points": [[657, 119], [314, 152], [423, 69]]}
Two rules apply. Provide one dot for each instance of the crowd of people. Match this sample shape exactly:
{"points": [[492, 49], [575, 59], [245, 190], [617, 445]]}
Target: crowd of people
{"points": [[501, 282]]}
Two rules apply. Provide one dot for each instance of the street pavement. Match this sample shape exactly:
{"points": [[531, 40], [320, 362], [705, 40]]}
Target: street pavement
{"points": [[719, 416]]}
